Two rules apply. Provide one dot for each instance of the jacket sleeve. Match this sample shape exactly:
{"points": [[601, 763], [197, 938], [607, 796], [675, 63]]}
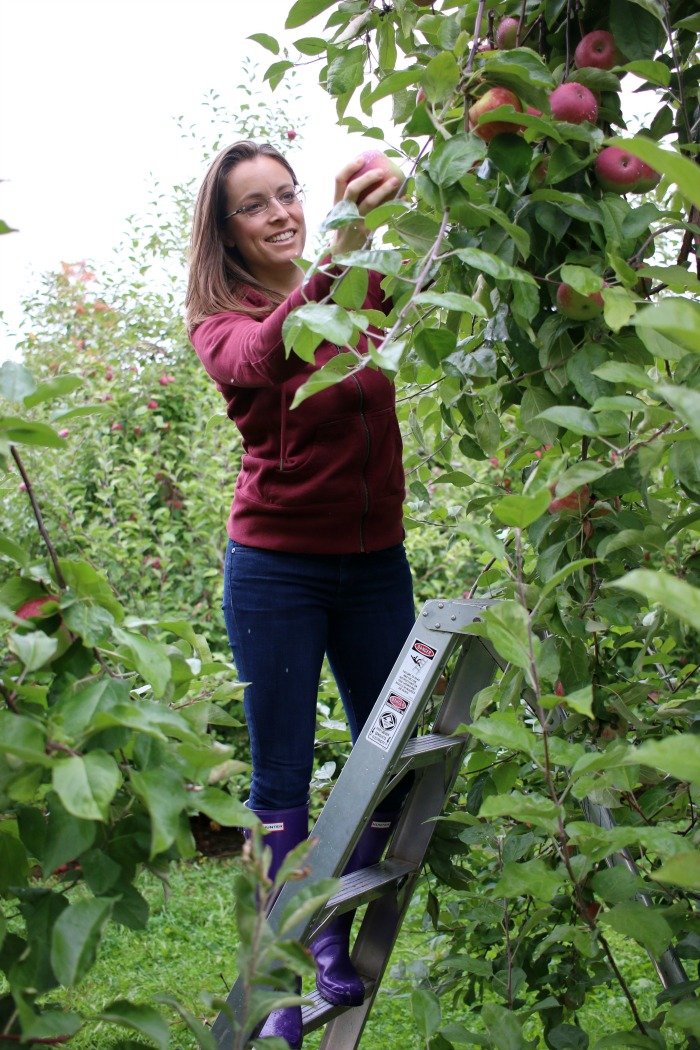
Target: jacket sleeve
{"points": [[238, 350]]}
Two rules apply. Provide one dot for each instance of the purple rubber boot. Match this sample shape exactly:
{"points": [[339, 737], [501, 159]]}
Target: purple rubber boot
{"points": [[284, 829], [336, 978]]}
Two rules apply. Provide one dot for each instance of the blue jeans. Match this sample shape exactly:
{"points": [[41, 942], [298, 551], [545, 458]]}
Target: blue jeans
{"points": [[283, 612]]}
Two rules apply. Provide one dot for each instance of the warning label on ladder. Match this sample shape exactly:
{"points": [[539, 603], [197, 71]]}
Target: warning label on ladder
{"points": [[414, 669]]}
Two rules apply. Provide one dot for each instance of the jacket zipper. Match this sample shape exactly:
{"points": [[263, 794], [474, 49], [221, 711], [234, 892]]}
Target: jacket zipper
{"points": [[283, 425], [368, 449]]}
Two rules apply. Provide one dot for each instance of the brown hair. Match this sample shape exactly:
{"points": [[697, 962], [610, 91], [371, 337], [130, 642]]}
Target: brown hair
{"points": [[217, 275]]}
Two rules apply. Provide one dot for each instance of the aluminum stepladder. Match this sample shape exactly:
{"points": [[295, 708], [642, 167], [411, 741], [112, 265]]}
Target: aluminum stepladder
{"points": [[385, 751]]}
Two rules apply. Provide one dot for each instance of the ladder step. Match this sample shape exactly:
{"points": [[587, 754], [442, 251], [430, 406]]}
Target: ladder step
{"points": [[429, 748], [321, 1012], [367, 884]]}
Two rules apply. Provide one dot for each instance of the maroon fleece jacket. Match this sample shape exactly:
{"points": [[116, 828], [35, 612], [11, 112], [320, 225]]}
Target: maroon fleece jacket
{"points": [[325, 477]]}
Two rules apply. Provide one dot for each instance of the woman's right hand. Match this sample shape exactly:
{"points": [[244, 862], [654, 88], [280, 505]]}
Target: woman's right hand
{"points": [[378, 188]]}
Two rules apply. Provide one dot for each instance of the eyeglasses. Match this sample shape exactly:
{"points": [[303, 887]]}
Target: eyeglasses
{"points": [[287, 198]]}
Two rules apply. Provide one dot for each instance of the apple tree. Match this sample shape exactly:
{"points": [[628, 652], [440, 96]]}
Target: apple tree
{"points": [[545, 337]]}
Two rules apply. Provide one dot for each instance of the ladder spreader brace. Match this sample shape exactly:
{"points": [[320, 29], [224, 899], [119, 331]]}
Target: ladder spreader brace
{"points": [[385, 751]]}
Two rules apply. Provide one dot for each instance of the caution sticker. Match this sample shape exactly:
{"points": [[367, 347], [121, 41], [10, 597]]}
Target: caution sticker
{"points": [[413, 670]]}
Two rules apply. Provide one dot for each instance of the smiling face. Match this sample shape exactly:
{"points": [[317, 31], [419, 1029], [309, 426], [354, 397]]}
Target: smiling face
{"points": [[269, 242]]}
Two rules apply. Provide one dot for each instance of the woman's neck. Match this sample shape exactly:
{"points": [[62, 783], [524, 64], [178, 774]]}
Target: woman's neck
{"points": [[283, 280]]}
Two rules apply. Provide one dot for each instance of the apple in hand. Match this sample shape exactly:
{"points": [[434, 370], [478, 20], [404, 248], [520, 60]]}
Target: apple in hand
{"points": [[507, 33], [576, 306], [597, 50], [494, 97], [375, 160], [617, 170], [574, 103]]}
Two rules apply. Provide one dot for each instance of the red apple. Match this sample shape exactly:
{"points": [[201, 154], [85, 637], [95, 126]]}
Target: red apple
{"points": [[507, 33], [291, 134], [647, 180], [574, 103], [152, 403], [64, 432], [597, 49], [576, 306], [575, 503], [559, 688], [117, 426], [617, 170], [494, 97], [34, 608], [374, 160]]}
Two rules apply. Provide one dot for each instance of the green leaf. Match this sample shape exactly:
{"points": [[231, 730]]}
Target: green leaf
{"points": [[677, 754], [266, 41], [582, 279], [580, 474], [426, 1011], [559, 577], [34, 649], [304, 10], [351, 291], [676, 319], [503, 729], [441, 76], [392, 83], [86, 785], [686, 402], [683, 869], [521, 511], [22, 432], [619, 307], [22, 737], [88, 583], [581, 701], [164, 796], [637, 33], [507, 625], [57, 387], [142, 1019], [334, 371], [677, 168], [685, 1015], [645, 925], [529, 809], [535, 400], [571, 417], [383, 261], [485, 262], [646, 69], [16, 382], [451, 301], [149, 658], [75, 937], [221, 807], [622, 372], [14, 863], [531, 878], [452, 159], [324, 319], [676, 596]]}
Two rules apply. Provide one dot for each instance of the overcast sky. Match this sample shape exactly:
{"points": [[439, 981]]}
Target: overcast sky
{"points": [[90, 91]]}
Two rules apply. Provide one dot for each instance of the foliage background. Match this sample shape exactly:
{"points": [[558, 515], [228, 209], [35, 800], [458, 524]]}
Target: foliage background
{"points": [[118, 688]]}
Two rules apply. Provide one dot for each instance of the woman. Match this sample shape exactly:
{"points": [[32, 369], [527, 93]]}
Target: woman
{"points": [[315, 562]]}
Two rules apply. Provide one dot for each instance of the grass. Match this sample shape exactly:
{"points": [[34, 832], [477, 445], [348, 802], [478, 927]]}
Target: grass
{"points": [[189, 948]]}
